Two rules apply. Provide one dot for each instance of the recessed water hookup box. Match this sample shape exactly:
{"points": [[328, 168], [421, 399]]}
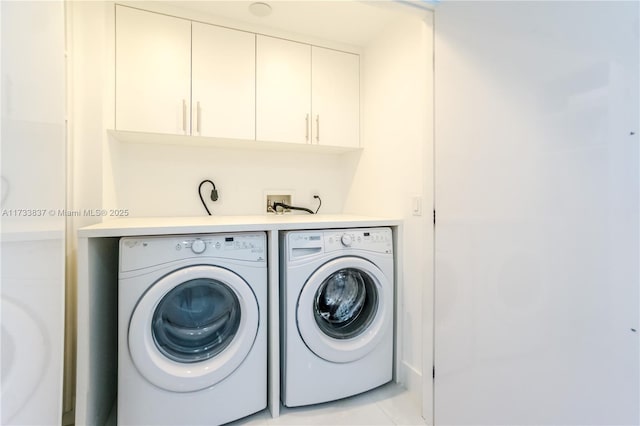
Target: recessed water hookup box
{"points": [[283, 197]]}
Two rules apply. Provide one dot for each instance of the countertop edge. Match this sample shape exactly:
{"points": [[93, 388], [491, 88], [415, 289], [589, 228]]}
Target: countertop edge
{"points": [[198, 225]]}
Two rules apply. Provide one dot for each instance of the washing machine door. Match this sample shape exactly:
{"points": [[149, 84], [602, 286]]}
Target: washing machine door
{"points": [[193, 327], [344, 309]]}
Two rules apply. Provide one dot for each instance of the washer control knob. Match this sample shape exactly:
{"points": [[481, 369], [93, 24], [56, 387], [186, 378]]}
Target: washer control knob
{"points": [[198, 246], [346, 240]]}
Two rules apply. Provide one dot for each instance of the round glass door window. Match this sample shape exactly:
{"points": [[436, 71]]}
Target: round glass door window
{"points": [[345, 303], [193, 327], [196, 320], [345, 309]]}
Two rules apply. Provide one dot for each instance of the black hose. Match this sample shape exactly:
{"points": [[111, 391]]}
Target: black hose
{"points": [[286, 206]]}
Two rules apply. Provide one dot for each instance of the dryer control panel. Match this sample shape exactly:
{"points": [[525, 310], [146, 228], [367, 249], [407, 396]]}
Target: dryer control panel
{"points": [[306, 243], [143, 252]]}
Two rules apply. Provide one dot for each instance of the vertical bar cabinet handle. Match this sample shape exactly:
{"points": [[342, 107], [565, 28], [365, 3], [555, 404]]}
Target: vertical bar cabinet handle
{"points": [[306, 137]]}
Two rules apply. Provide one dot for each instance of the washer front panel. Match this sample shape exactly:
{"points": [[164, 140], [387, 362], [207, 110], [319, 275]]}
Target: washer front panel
{"points": [[347, 329], [193, 327]]}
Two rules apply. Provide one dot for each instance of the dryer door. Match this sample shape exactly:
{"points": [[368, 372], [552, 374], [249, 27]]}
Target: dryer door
{"points": [[193, 328], [344, 309]]}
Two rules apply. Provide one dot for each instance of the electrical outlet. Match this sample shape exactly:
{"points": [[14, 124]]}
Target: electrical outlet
{"points": [[280, 197]]}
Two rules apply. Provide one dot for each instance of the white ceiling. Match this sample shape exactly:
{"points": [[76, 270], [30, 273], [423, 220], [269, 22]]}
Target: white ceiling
{"points": [[344, 21]]}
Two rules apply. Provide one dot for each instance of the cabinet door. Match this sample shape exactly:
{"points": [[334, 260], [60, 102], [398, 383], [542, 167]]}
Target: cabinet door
{"points": [[153, 67], [335, 97], [223, 82], [283, 90]]}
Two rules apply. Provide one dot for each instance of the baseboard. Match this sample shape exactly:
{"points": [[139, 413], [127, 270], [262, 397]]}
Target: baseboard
{"points": [[411, 379]]}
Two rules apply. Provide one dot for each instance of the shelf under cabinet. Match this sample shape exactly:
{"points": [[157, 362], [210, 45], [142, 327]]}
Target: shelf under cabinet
{"points": [[244, 144]]}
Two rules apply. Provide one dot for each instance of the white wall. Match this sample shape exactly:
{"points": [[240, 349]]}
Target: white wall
{"points": [[162, 180], [395, 167], [88, 111], [89, 107], [537, 248]]}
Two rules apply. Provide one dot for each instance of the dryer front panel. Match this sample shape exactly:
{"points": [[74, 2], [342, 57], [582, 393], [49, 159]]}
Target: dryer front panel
{"points": [[193, 327], [344, 309]]}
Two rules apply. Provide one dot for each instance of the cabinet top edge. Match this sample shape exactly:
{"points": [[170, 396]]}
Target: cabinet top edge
{"points": [[167, 9]]}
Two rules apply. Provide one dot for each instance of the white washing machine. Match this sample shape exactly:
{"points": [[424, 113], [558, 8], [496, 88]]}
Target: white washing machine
{"points": [[32, 330], [192, 329], [337, 310]]}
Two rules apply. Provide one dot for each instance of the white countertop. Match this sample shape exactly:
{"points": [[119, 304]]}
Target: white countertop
{"points": [[202, 224]]}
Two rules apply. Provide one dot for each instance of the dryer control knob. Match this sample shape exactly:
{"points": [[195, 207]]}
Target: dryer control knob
{"points": [[346, 240], [198, 246]]}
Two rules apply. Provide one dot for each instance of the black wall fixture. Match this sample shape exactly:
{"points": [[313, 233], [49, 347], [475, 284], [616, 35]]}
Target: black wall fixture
{"points": [[214, 194]]}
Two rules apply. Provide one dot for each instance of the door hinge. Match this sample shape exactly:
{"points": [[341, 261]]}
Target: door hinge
{"points": [[434, 217], [433, 372]]}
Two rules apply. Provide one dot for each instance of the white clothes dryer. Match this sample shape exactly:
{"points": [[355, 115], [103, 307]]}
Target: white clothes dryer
{"points": [[192, 329], [336, 311]]}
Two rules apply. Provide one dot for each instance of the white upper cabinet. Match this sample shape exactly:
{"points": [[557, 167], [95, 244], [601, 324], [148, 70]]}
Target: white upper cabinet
{"points": [[178, 77], [335, 96], [283, 90], [223, 79], [153, 72], [307, 94]]}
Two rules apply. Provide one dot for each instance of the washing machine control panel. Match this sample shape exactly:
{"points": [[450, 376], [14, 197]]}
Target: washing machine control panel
{"points": [[305, 243], [378, 240], [164, 249], [214, 245]]}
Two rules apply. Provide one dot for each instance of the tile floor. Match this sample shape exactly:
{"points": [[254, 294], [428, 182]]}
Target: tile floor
{"points": [[387, 405], [390, 404]]}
